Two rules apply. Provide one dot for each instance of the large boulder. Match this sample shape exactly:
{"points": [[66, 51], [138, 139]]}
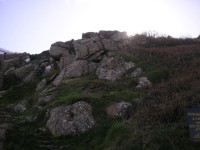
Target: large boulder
{"points": [[71, 119], [109, 45], [113, 68], [24, 71], [65, 61], [119, 110], [61, 49], [74, 70]]}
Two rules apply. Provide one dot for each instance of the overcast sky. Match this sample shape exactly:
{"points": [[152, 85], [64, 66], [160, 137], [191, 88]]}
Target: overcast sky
{"points": [[33, 25]]}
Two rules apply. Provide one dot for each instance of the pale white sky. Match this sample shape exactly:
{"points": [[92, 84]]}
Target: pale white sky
{"points": [[33, 25]]}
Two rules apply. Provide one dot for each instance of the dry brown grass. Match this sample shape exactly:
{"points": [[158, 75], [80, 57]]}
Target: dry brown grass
{"points": [[166, 101]]}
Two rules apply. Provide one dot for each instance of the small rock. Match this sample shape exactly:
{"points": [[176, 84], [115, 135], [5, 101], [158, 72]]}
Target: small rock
{"points": [[20, 108], [119, 110], [136, 73], [143, 82]]}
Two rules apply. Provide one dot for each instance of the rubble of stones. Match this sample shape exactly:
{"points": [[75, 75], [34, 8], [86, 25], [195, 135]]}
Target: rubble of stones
{"points": [[95, 52]]}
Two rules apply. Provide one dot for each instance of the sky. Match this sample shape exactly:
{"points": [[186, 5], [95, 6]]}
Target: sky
{"points": [[33, 25]]}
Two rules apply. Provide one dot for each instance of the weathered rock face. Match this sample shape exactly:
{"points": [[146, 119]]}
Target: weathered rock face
{"points": [[24, 71], [86, 48], [113, 68], [65, 61], [74, 70], [143, 82], [61, 49], [119, 110], [70, 120]]}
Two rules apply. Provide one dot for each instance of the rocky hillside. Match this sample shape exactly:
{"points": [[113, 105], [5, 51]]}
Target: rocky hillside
{"points": [[104, 91]]}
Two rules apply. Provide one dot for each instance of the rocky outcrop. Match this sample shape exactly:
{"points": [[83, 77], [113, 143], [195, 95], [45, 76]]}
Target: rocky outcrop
{"points": [[79, 57], [113, 68], [65, 61], [7, 64], [119, 110], [71, 119], [87, 48]]}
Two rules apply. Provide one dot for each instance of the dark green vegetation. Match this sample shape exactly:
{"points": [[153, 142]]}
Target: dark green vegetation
{"points": [[158, 120]]}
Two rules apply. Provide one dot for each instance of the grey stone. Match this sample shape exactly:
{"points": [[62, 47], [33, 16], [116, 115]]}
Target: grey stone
{"points": [[65, 61], [74, 70], [61, 49], [109, 45], [20, 108], [113, 68], [119, 110], [87, 48], [137, 72], [71, 119], [24, 71], [143, 82], [7, 64], [77, 69]]}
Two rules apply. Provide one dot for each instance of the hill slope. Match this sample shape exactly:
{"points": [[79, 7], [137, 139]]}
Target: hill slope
{"points": [[157, 118]]}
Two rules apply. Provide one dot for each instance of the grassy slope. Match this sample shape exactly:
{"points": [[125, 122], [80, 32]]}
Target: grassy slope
{"points": [[158, 121]]}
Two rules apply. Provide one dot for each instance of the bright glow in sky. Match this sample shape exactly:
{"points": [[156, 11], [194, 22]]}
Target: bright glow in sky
{"points": [[33, 25]]}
